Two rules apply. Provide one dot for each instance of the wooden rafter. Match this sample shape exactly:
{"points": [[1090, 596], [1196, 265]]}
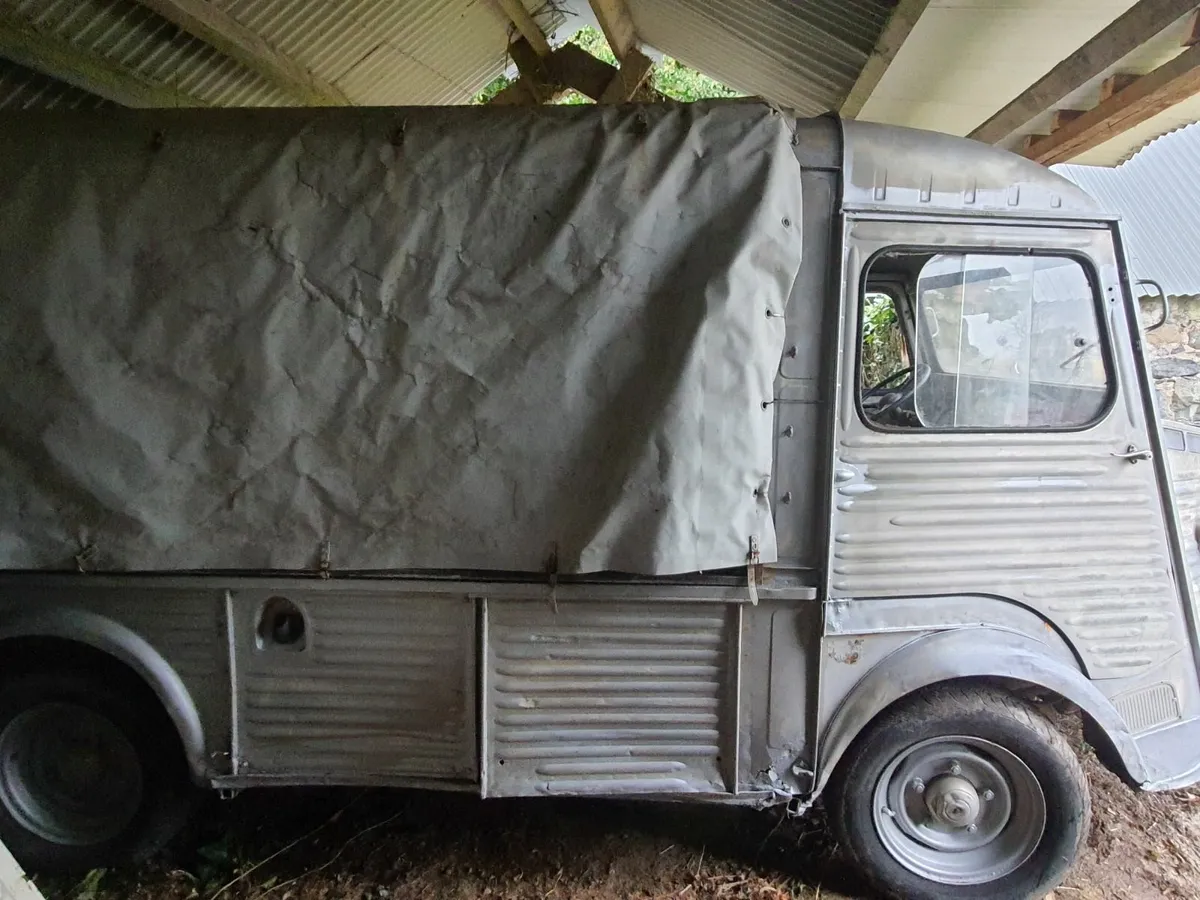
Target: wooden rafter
{"points": [[208, 22], [1122, 36], [617, 25], [85, 69], [627, 80], [899, 26], [1144, 98], [530, 30]]}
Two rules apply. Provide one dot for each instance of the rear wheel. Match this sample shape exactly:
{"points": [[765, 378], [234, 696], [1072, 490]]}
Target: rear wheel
{"points": [[962, 792], [89, 775]]}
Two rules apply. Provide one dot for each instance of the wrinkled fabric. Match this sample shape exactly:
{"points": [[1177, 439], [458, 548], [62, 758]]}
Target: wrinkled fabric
{"points": [[492, 339]]}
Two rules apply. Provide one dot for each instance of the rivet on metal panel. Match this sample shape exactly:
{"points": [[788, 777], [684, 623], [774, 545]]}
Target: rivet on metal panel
{"points": [[789, 431], [787, 223]]}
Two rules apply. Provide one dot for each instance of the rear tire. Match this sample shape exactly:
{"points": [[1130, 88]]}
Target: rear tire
{"points": [[90, 774], [961, 793]]}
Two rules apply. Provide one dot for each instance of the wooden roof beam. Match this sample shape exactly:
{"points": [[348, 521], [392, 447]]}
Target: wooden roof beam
{"points": [[530, 30], [1122, 36], [899, 26], [1147, 96], [208, 22], [84, 69], [617, 24]]}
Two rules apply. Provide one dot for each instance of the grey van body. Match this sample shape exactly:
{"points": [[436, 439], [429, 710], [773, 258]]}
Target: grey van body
{"points": [[1052, 562]]}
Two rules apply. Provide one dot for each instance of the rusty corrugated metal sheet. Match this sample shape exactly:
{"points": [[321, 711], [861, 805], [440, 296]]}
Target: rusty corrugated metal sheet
{"points": [[22, 88], [127, 34], [1157, 194], [805, 56]]}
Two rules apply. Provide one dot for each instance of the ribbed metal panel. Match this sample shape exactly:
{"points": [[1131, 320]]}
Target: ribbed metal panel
{"points": [[383, 688], [802, 55], [605, 698], [22, 88], [127, 34], [387, 52], [1055, 524], [1149, 707], [1157, 194]]}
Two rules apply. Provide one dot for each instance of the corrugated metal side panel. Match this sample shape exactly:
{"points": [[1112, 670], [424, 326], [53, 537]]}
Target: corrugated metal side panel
{"points": [[129, 35], [1185, 476], [22, 88], [387, 52], [384, 687], [1157, 193], [605, 697], [1052, 524], [802, 55]]}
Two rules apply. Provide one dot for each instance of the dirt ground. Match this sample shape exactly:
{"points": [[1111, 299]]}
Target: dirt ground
{"points": [[398, 845]]}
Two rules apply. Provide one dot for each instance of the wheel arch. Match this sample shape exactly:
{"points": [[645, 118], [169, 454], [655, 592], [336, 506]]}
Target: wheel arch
{"points": [[86, 636], [983, 654]]}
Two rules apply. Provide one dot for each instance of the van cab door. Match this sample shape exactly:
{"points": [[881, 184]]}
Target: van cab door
{"points": [[1008, 458]]}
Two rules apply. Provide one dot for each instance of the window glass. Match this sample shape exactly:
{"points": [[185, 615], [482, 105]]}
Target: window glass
{"points": [[999, 342]]}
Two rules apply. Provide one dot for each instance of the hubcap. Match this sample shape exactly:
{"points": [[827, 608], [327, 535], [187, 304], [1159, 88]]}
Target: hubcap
{"points": [[959, 810], [69, 774]]}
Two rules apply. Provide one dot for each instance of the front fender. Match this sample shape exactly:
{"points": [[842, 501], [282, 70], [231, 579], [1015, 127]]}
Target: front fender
{"points": [[119, 642], [972, 652]]}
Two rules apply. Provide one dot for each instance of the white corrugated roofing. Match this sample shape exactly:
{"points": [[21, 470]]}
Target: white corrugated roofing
{"points": [[22, 88], [805, 56], [1157, 194], [127, 34]]}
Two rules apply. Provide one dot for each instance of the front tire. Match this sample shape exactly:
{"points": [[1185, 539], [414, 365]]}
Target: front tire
{"points": [[90, 773], [961, 793]]}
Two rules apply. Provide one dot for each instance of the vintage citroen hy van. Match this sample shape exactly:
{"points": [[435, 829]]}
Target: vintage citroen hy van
{"points": [[865, 412]]}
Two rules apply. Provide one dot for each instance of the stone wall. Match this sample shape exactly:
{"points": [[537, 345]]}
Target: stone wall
{"points": [[1175, 357]]}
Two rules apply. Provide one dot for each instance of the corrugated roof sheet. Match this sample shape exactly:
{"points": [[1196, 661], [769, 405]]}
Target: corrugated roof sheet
{"points": [[388, 51], [127, 34], [22, 88], [803, 55], [1157, 194]]}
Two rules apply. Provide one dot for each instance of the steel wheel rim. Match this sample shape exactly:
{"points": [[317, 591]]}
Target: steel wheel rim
{"points": [[69, 774], [959, 810]]}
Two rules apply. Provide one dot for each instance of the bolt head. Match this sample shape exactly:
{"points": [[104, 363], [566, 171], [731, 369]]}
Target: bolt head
{"points": [[887, 811], [972, 828], [918, 785], [989, 795], [955, 768]]}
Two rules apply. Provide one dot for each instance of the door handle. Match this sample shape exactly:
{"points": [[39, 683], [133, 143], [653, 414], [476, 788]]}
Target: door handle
{"points": [[1133, 454]]}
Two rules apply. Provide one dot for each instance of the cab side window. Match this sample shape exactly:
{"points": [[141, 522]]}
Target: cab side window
{"points": [[998, 342]]}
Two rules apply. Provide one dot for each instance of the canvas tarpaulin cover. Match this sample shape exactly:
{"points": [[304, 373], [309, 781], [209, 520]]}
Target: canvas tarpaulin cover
{"points": [[398, 339]]}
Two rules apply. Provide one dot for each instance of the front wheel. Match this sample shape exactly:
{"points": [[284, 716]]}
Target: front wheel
{"points": [[961, 792], [90, 775]]}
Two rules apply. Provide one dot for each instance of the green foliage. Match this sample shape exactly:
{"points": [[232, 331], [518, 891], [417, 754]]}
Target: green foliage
{"points": [[673, 79], [669, 77], [491, 89], [882, 340]]}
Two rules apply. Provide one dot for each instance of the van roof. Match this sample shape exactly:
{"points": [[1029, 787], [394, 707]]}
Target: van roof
{"points": [[886, 167]]}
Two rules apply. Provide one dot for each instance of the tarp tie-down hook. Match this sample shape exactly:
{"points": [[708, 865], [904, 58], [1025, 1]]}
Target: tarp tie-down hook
{"points": [[753, 569], [325, 560]]}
